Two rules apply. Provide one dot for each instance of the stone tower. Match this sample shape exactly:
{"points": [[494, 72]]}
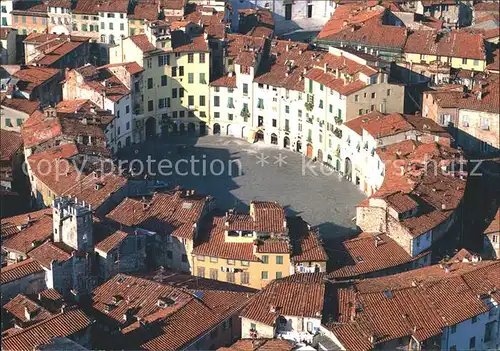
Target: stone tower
{"points": [[72, 223]]}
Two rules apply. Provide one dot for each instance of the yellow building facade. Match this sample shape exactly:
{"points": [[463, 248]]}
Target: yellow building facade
{"points": [[453, 62]]}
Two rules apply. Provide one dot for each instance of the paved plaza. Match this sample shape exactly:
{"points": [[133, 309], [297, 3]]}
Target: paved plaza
{"points": [[256, 172]]}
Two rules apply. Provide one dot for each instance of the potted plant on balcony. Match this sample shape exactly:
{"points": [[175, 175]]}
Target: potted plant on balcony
{"points": [[338, 120], [309, 106]]}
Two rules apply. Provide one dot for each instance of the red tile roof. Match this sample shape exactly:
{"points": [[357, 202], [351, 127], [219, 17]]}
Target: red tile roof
{"points": [[60, 325], [173, 214], [487, 6], [19, 270], [299, 295], [31, 77], [185, 317], [48, 252], [225, 81], [24, 241], [142, 42], [23, 105], [111, 241], [173, 4], [21, 304], [453, 44], [182, 42], [368, 253], [379, 125], [363, 24], [337, 84], [86, 7], [259, 345], [131, 67], [13, 225], [29, 8], [489, 102], [145, 10], [10, 143], [419, 303], [59, 48], [114, 6]]}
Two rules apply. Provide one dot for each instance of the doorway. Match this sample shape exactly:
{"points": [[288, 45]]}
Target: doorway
{"points": [[309, 150], [309, 10], [150, 128], [288, 12]]}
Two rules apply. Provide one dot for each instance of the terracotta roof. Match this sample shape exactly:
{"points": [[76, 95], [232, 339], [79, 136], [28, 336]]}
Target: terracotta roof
{"points": [[306, 243], [86, 7], [146, 10], [21, 304], [337, 84], [173, 214], [489, 102], [60, 325], [10, 143], [182, 42], [259, 345], [494, 226], [213, 244], [211, 21], [494, 63], [31, 9], [268, 216], [92, 188], [48, 252], [225, 81], [363, 24], [453, 44], [23, 105], [60, 3], [173, 4], [379, 125], [49, 295], [13, 225], [111, 241], [19, 270], [24, 241], [368, 253], [287, 64], [257, 23], [299, 295], [104, 82], [486, 6], [31, 77], [142, 42], [59, 48], [185, 316], [114, 6], [131, 67], [427, 125]]}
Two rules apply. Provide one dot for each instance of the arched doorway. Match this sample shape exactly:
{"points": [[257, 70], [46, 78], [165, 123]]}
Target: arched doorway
{"points": [[128, 141], [119, 145], [203, 128], [320, 156], [244, 132], [286, 142], [191, 128], [337, 165], [309, 152], [182, 128], [274, 139], [228, 129], [329, 160], [216, 129], [174, 128], [348, 168], [150, 128], [299, 146], [259, 136]]}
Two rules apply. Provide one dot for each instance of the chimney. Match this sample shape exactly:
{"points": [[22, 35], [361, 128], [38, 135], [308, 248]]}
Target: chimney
{"points": [[63, 308], [27, 313], [287, 47], [325, 67], [352, 311]]}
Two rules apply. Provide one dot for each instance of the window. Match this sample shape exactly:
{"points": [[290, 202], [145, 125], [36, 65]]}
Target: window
{"points": [[150, 83], [149, 63], [19, 122], [162, 103], [230, 116], [474, 319], [230, 277], [245, 89], [213, 273], [260, 103], [264, 275], [422, 56], [360, 112], [190, 57], [495, 238], [287, 109], [472, 343], [265, 259], [110, 25], [191, 100], [230, 262], [127, 125], [214, 259], [202, 100], [279, 259], [275, 122], [230, 103], [174, 93], [476, 62], [485, 124], [216, 114], [181, 114], [150, 105], [8, 123], [184, 258], [122, 27], [299, 113], [453, 328], [253, 326], [174, 71], [23, 19], [200, 258], [244, 263], [169, 254], [279, 275], [181, 71], [163, 80], [310, 86], [374, 95], [202, 57], [202, 78], [162, 60], [245, 278], [310, 327], [200, 272]]}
